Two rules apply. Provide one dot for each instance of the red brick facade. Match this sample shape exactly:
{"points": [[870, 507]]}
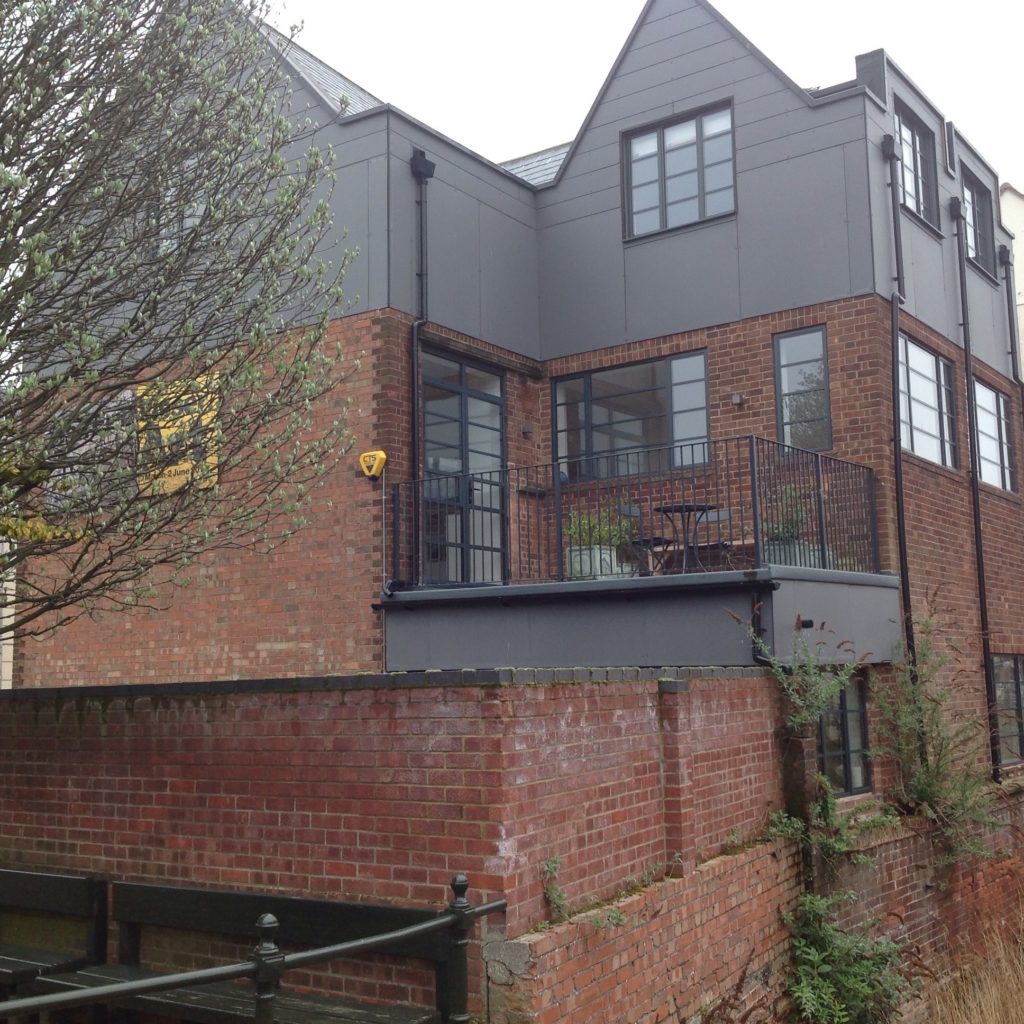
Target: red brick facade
{"points": [[381, 787]]}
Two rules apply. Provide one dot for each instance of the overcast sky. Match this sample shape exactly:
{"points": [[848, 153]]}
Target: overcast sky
{"points": [[507, 79]]}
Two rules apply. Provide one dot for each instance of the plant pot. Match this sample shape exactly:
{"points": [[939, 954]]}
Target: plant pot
{"points": [[597, 562], [792, 551]]}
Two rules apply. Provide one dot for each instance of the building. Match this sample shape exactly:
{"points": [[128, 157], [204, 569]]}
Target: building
{"points": [[741, 356], [1011, 204]]}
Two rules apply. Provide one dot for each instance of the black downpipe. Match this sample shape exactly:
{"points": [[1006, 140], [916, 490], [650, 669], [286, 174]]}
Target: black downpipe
{"points": [[890, 154], [422, 170], [1006, 262], [956, 212], [901, 507]]}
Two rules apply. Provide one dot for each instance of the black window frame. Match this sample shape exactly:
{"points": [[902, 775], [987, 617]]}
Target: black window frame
{"points": [[945, 405], [979, 224], [589, 461], [845, 753], [1014, 687], [913, 134], [659, 128], [781, 423], [1003, 439]]}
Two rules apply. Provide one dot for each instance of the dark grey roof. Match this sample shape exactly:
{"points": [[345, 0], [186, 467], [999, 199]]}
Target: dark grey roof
{"points": [[538, 168], [335, 88]]}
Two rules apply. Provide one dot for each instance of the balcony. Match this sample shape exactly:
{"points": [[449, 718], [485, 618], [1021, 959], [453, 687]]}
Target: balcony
{"points": [[536, 565]]}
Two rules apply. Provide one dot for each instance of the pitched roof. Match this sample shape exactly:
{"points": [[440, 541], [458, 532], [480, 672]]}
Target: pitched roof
{"points": [[340, 93], [538, 168]]}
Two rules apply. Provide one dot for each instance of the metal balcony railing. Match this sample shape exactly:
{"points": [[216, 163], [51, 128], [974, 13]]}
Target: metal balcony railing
{"points": [[737, 503]]}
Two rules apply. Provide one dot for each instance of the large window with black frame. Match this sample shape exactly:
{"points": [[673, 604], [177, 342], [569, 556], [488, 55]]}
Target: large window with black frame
{"points": [[843, 740], [640, 418], [801, 388]]}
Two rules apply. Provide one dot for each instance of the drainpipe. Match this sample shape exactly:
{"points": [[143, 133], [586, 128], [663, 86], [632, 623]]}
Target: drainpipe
{"points": [[957, 213], [898, 296], [422, 170]]}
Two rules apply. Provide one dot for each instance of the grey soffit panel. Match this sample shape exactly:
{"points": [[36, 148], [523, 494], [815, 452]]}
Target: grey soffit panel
{"points": [[538, 168]]}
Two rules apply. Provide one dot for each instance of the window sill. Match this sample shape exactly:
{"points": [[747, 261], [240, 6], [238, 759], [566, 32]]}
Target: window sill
{"points": [[933, 229], [981, 269], [999, 492], [920, 460], [662, 232]]}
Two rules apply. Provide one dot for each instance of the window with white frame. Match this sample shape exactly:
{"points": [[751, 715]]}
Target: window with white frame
{"points": [[927, 423], [995, 440], [680, 173], [918, 180], [979, 237]]}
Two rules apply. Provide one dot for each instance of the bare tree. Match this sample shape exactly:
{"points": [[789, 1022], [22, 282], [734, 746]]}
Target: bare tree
{"points": [[166, 277]]}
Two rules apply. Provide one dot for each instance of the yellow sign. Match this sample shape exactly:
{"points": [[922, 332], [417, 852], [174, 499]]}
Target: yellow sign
{"points": [[176, 434], [372, 463]]}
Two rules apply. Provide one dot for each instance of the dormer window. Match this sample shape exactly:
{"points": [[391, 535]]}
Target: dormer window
{"points": [[680, 172], [978, 233], [918, 179]]}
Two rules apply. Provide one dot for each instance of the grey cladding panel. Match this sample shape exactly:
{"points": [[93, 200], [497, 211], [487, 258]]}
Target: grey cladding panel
{"points": [[508, 283], [794, 242], [689, 277], [454, 267], [858, 218], [582, 303], [684, 630]]}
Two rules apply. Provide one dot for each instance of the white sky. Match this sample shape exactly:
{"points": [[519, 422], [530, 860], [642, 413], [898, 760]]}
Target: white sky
{"points": [[510, 78]]}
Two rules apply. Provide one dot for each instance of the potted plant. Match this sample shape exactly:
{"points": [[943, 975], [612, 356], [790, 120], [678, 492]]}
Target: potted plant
{"points": [[595, 542], [788, 513]]}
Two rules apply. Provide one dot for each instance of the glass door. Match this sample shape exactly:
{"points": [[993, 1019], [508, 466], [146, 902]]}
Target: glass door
{"points": [[463, 461]]}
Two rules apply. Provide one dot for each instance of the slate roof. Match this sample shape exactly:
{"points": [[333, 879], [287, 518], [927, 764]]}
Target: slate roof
{"points": [[331, 85], [538, 168]]}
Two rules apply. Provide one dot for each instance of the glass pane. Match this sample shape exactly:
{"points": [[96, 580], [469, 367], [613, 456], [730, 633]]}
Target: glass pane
{"points": [[646, 197], [799, 348], [643, 145], [645, 170], [718, 176], [688, 368], [680, 134], [442, 370], [479, 411], [685, 212], [804, 377], [679, 160], [812, 436], [858, 773], [568, 391], [684, 186], [481, 380], [719, 202], [921, 360], [688, 396], [645, 222], [689, 426], [720, 121], [718, 149]]}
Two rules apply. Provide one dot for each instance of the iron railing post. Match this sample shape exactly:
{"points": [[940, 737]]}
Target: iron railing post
{"points": [[876, 560], [819, 489], [458, 960], [556, 480], [395, 532], [269, 961], [755, 498]]}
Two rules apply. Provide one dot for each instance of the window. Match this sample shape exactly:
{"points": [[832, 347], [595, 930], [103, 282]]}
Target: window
{"points": [[995, 445], [843, 741], [927, 424], [1008, 671], [680, 173], [801, 389], [918, 181], [627, 419], [978, 233]]}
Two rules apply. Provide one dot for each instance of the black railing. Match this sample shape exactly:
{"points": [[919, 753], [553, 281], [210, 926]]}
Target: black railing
{"points": [[738, 503], [268, 964]]}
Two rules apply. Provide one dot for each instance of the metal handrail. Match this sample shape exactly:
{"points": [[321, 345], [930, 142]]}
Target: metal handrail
{"points": [[266, 966]]}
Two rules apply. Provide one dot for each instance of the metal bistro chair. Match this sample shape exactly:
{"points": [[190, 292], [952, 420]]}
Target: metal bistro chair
{"points": [[652, 553]]}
